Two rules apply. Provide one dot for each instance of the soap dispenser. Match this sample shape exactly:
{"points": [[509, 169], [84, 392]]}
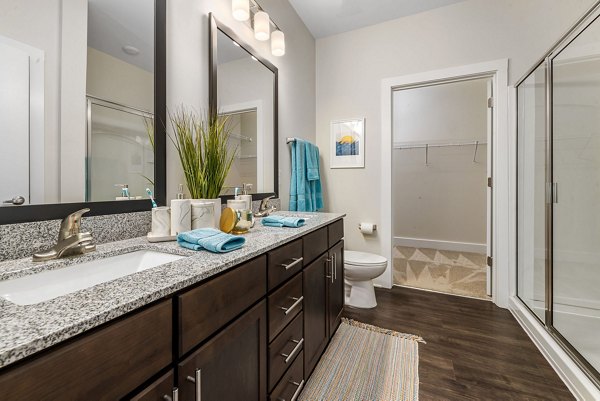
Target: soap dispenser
{"points": [[245, 196]]}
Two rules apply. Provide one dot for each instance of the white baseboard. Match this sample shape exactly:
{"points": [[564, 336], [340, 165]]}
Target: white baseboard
{"points": [[573, 377], [442, 245]]}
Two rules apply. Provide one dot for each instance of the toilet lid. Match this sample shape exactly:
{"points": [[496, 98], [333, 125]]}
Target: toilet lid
{"points": [[363, 258]]}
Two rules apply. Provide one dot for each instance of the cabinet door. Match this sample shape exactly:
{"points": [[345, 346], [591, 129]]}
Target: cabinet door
{"points": [[159, 390], [316, 326], [232, 366], [336, 287]]}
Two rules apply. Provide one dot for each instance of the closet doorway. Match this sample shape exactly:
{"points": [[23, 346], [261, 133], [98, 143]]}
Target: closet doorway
{"points": [[441, 186]]}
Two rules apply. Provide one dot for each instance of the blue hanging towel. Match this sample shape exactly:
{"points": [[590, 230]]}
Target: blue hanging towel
{"points": [[305, 187]]}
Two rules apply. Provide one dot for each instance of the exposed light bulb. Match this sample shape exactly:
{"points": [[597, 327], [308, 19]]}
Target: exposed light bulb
{"points": [[262, 26], [278, 43], [240, 9]]}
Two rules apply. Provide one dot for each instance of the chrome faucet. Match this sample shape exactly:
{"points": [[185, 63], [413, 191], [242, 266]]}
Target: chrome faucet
{"points": [[70, 240], [265, 209]]}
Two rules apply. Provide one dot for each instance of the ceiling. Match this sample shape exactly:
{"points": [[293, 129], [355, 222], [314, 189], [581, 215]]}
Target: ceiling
{"points": [[329, 17], [113, 24]]}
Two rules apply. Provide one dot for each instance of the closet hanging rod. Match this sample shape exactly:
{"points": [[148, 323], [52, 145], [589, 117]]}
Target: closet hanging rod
{"points": [[439, 145]]}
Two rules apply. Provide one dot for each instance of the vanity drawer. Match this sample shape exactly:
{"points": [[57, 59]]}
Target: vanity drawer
{"points": [[210, 306], [335, 232], [291, 383], [284, 262], [106, 364], [315, 244], [284, 305], [284, 349]]}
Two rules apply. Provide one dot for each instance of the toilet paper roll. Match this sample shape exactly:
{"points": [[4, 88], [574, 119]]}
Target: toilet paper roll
{"points": [[161, 221], [181, 216], [367, 228]]}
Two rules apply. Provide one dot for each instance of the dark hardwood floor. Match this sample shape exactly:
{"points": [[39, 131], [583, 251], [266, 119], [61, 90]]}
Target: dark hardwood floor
{"points": [[474, 350]]}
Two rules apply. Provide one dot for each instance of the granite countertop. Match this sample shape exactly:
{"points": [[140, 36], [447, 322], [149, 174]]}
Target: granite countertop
{"points": [[25, 330]]}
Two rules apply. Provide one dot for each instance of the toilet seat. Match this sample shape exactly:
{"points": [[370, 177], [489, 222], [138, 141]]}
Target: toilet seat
{"points": [[355, 258]]}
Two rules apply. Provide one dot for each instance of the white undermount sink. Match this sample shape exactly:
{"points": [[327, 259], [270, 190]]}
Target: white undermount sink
{"points": [[51, 284]]}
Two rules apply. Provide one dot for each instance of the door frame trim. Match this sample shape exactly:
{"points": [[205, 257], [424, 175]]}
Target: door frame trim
{"points": [[502, 154]]}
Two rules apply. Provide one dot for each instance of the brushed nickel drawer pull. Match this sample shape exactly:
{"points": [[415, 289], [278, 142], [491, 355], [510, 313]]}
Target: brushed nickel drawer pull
{"points": [[294, 263], [298, 302], [289, 356], [298, 390], [198, 381], [328, 263]]}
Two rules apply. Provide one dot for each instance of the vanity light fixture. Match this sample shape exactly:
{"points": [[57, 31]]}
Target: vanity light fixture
{"points": [[240, 9], [258, 20], [262, 26], [278, 43]]}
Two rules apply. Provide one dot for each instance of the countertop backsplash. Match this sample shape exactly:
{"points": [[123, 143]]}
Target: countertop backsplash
{"points": [[25, 239]]}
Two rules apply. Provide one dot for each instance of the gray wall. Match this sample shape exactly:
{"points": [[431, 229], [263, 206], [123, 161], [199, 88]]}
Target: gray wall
{"points": [[350, 67], [187, 72]]}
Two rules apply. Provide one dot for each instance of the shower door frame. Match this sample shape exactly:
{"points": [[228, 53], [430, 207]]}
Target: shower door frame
{"points": [[498, 159], [593, 15]]}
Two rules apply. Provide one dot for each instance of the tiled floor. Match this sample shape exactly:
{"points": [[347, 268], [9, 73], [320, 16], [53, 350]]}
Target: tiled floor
{"points": [[459, 273]]}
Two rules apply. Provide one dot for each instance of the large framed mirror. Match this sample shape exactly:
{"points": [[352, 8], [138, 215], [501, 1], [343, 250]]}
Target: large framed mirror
{"points": [[243, 86], [82, 107]]}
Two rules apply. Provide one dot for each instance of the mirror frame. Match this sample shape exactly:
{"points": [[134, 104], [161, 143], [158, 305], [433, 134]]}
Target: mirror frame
{"points": [[214, 27], [52, 211]]}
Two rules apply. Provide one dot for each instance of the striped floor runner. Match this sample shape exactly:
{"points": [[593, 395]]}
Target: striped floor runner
{"points": [[366, 363]]}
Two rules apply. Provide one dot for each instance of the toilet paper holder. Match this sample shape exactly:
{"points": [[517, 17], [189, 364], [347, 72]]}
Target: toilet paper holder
{"points": [[374, 227]]}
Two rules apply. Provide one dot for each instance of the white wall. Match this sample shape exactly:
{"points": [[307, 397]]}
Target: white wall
{"points": [[187, 72], [350, 67], [16, 21], [113, 79], [445, 199]]}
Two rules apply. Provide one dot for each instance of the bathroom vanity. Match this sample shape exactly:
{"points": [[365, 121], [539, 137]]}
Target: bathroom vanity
{"points": [[247, 325]]}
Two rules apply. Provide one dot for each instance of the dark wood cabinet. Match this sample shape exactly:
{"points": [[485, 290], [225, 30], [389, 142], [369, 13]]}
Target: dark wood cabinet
{"points": [[258, 327], [335, 301], [106, 364], [316, 323], [284, 305], [159, 390], [208, 307], [315, 244], [232, 366], [284, 262]]}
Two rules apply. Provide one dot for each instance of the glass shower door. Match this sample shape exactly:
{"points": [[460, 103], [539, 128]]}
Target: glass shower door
{"points": [[531, 205], [576, 200]]}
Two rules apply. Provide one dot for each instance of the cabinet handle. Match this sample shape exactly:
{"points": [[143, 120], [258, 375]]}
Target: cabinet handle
{"points": [[198, 381], [334, 266], [298, 390], [294, 263], [328, 263], [289, 356], [298, 302], [175, 396]]}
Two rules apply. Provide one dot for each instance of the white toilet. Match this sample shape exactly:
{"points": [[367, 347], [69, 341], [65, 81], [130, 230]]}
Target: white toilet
{"points": [[360, 268]]}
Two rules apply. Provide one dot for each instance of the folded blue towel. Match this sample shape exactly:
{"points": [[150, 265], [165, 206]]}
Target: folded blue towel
{"points": [[210, 239], [282, 221]]}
